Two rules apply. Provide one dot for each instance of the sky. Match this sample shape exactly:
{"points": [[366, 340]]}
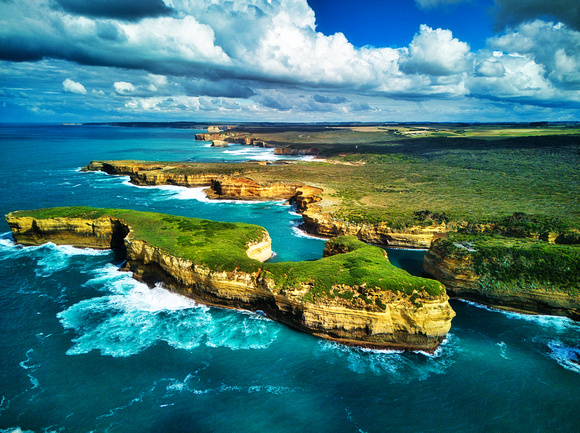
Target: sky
{"points": [[289, 60]]}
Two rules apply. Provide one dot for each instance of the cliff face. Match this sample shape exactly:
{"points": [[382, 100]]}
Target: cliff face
{"points": [[101, 233], [453, 264], [319, 223], [401, 325], [378, 319], [304, 196], [245, 188]]}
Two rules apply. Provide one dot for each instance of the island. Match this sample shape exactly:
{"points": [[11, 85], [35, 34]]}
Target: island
{"points": [[353, 295]]}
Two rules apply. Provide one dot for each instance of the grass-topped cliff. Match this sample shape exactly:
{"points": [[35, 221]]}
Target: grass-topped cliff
{"points": [[222, 246], [354, 295], [459, 174], [219, 245], [523, 274]]}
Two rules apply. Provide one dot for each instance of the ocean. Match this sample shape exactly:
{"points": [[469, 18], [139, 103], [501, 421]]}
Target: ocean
{"points": [[85, 348]]}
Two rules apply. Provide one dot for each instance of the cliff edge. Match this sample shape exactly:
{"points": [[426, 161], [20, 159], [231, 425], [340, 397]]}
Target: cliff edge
{"points": [[524, 275], [353, 296]]}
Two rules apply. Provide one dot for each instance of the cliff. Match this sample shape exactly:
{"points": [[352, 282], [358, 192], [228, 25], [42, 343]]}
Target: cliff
{"points": [[524, 275], [355, 297], [323, 224], [236, 187]]}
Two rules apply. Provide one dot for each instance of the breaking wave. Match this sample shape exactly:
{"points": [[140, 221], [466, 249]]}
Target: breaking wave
{"points": [[131, 317]]}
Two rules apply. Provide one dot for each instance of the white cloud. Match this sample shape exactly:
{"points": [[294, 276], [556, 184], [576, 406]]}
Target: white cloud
{"points": [[123, 88], [71, 86], [554, 46], [490, 68], [156, 82], [267, 56], [436, 52]]}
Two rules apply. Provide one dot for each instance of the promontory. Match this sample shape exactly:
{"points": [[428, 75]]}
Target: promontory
{"points": [[353, 295]]}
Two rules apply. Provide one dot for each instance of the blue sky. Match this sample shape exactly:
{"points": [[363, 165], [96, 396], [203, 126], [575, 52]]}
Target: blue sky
{"points": [[289, 60]]}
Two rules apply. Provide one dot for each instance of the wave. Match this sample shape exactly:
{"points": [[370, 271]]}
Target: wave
{"points": [[55, 258], [568, 357], [399, 365], [299, 233], [131, 317]]}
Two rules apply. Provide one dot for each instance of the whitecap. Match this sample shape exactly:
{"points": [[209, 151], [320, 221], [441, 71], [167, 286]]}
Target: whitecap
{"points": [[7, 242], [299, 233], [567, 357], [559, 323], [502, 350], [15, 430], [132, 317], [397, 364], [56, 258]]}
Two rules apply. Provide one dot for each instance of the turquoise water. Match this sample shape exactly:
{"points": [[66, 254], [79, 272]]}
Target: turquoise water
{"points": [[87, 348]]}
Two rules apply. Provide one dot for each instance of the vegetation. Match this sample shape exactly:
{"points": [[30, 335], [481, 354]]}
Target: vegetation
{"points": [[219, 245], [514, 263], [222, 246], [468, 173]]}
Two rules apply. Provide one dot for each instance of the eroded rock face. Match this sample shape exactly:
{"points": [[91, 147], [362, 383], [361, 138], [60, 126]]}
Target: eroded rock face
{"points": [[304, 196], [455, 269], [399, 322], [401, 325], [101, 233], [242, 187], [323, 224]]}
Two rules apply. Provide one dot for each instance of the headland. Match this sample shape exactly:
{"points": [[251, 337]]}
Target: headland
{"points": [[353, 295]]}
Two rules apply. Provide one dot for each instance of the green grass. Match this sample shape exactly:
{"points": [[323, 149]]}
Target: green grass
{"points": [[222, 246], [516, 263], [218, 245], [380, 176]]}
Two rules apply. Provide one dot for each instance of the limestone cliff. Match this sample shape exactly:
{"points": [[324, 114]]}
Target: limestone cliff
{"points": [[236, 187], [323, 224], [356, 314], [102, 233], [525, 275]]}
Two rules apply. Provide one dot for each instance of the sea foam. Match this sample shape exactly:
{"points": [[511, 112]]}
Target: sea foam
{"points": [[131, 317]]}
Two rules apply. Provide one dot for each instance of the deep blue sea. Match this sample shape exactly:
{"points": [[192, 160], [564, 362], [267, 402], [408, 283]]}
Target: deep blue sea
{"points": [[85, 348]]}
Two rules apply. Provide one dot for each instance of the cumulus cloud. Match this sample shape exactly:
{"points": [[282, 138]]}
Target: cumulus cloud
{"points": [[513, 12], [554, 46], [71, 86], [123, 88], [436, 52], [325, 100], [267, 56], [490, 68]]}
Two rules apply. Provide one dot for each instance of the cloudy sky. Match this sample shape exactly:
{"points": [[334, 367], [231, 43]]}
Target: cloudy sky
{"points": [[289, 60]]}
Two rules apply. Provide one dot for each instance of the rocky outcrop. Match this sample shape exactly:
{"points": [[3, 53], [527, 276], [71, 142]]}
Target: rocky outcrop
{"points": [[323, 224], [369, 316], [219, 143], [101, 233], [248, 189], [401, 325], [454, 264], [312, 151], [305, 197]]}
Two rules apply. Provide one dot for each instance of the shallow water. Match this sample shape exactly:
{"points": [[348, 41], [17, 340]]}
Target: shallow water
{"points": [[87, 348]]}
